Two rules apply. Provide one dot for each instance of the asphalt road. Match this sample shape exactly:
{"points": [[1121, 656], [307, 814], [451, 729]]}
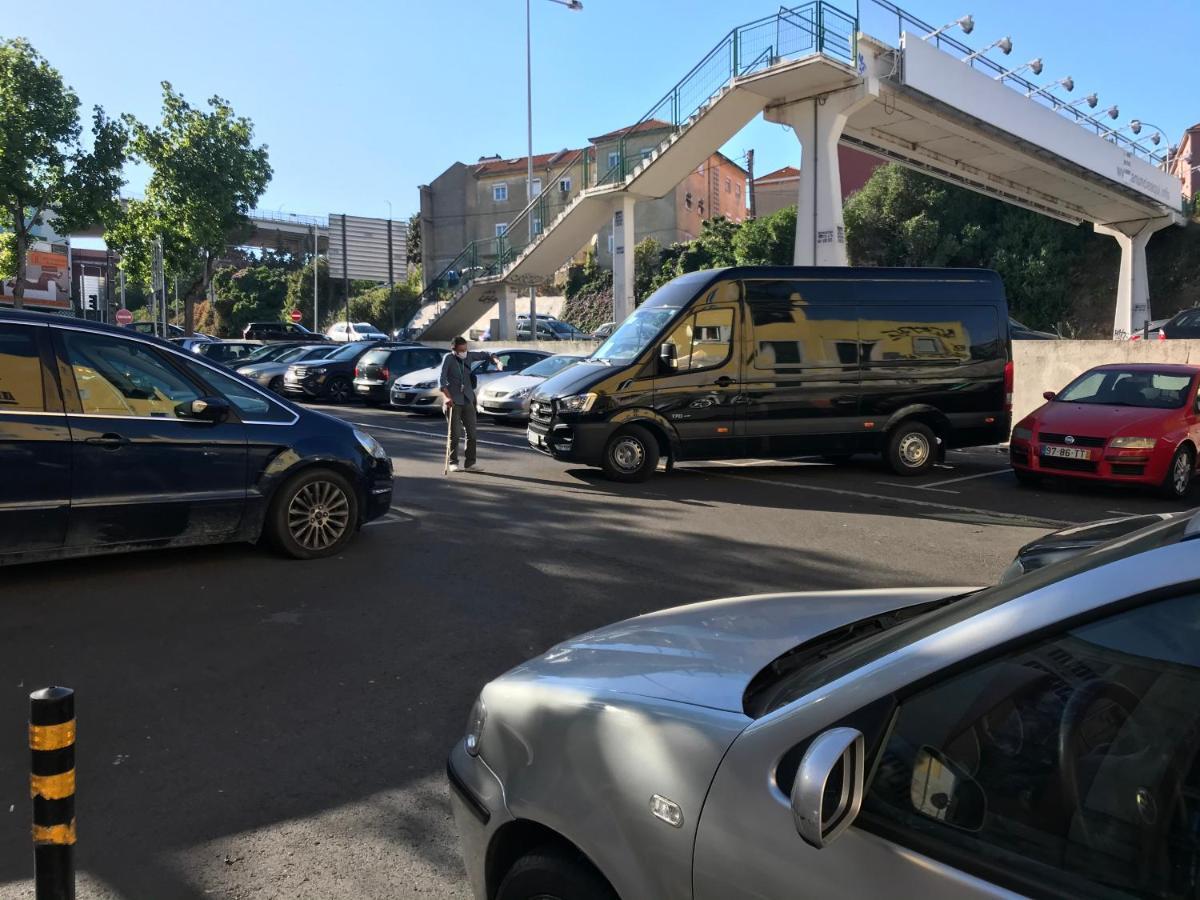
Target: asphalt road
{"points": [[256, 727]]}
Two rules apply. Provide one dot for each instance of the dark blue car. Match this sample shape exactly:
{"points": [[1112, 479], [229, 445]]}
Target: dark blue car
{"points": [[113, 441]]}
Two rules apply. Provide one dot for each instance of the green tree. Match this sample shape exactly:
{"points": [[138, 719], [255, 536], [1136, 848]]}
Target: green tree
{"points": [[206, 175], [44, 168], [242, 296], [769, 241], [414, 241], [647, 260]]}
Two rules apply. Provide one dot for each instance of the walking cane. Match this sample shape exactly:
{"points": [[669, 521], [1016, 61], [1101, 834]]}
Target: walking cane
{"points": [[446, 410]]}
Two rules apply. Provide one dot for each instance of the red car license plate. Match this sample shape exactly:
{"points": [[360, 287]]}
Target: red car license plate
{"points": [[1066, 452]]}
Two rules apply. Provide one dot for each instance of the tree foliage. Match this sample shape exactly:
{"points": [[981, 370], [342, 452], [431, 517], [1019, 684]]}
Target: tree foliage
{"points": [[44, 167], [206, 175]]}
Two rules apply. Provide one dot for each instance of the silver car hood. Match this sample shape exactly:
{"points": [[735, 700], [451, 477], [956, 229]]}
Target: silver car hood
{"points": [[706, 653]]}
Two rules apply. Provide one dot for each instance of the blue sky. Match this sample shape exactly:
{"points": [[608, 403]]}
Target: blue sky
{"points": [[363, 100]]}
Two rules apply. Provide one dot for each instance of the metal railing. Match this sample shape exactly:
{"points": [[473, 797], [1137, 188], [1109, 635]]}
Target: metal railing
{"points": [[286, 218], [1035, 92], [814, 28]]}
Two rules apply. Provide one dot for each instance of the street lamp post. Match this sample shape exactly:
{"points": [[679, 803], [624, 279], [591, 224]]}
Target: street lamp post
{"points": [[576, 6]]}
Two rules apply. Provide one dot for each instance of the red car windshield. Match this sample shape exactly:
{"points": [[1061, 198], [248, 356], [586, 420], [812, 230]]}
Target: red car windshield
{"points": [[1129, 387]]}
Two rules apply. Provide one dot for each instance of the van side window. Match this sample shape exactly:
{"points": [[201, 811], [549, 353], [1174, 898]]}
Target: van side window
{"points": [[953, 334], [791, 330], [20, 370], [703, 340]]}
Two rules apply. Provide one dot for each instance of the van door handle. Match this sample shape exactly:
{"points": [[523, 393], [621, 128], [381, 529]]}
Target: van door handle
{"points": [[108, 441], [723, 381]]}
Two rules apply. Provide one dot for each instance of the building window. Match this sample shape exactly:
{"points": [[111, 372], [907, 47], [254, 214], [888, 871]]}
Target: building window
{"points": [[565, 185], [737, 190], [537, 224], [536, 190], [728, 185], [500, 192], [701, 207], [614, 159], [647, 152], [610, 245], [501, 229], [687, 199]]}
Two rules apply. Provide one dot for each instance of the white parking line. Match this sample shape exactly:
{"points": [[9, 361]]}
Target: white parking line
{"points": [[434, 435], [936, 485], [1032, 521]]}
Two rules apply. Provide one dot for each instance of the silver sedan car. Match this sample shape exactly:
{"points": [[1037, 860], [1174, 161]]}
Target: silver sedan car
{"points": [[270, 373], [1040, 738], [508, 397], [418, 391]]}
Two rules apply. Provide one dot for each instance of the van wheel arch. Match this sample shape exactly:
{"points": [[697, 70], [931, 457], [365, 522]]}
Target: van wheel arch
{"points": [[519, 838]]}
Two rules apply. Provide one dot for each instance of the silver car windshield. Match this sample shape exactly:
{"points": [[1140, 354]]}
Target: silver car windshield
{"points": [[638, 331], [551, 365], [833, 655]]}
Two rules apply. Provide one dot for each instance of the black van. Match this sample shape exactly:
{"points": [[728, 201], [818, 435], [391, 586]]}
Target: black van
{"points": [[774, 362]]}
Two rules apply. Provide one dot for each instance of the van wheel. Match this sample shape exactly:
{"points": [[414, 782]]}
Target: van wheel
{"points": [[1178, 483], [912, 448], [631, 454], [313, 515], [549, 874]]}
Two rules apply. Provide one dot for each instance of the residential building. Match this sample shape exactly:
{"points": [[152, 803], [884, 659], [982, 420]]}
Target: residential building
{"points": [[1185, 161], [477, 202], [717, 187], [775, 190]]}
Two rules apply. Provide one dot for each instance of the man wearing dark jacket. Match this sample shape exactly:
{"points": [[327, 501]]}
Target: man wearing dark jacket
{"points": [[458, 388]]}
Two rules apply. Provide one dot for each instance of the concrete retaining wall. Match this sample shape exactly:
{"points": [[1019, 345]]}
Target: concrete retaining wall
{"points": [[1041, 366], [578, 348]]}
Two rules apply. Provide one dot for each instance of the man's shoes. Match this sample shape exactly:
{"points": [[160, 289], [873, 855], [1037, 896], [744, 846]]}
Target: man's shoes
{"points": [[474, 467], [453, 467]]}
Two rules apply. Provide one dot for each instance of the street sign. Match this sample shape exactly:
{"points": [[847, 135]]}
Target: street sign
{"points": [[124, 317], [297, 315]]}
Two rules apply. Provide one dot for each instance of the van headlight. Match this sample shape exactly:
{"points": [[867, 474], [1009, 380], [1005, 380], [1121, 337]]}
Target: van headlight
{"points": [[577, 403], [368, 443], [475, 727]]}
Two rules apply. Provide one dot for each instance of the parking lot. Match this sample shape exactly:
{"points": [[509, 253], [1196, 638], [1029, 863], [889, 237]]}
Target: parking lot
{"points": [[251, 726]]}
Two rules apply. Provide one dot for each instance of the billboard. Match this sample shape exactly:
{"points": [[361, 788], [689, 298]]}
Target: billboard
{"points": [[47, 275], [366, 248]]}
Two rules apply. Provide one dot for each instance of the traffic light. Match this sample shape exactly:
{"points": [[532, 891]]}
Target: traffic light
{"points": [[90, 303]]}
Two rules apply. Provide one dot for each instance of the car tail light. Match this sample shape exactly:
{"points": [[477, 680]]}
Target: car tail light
{"points": [[1008, 386], [1162, 334], [356, 371], [384, 374]]}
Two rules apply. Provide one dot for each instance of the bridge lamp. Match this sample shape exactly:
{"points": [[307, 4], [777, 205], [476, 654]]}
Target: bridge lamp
{"points": [[1091, 100], [1034, 66], [966, 23], [1114, 112], [1005, 44], [1068, 83]]}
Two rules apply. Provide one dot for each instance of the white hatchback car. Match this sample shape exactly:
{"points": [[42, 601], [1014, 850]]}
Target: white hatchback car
{"points": [[355, 331]]}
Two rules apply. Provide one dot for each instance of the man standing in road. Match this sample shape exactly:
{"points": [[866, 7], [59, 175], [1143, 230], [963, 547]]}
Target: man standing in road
{"points": [[458, 388]]}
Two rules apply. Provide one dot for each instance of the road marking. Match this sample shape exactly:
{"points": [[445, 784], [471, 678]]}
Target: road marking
{"points": [[432, 434], [934, 486], [915, 487], [863, 495]]}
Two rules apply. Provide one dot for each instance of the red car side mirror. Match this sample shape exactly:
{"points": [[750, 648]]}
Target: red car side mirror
{"points": [[1049, 395]]}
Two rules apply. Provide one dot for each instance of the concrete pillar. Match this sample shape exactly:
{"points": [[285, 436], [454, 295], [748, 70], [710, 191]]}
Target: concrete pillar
{"points": [[623, 244], [819, 123], [507, 314], [1133, 282]]}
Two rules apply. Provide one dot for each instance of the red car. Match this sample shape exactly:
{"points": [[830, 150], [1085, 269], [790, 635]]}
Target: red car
{"points": [[1126, 424]]}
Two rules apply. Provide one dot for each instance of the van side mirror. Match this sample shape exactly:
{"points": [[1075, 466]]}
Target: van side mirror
{"points": [[1049, 395], [828, 791], [942, 790], [668, 353], [204, 409]]}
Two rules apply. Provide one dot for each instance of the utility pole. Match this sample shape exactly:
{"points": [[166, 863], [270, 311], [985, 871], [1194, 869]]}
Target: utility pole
{"points": [[391, 274], [533, 332], [316, 322], [750, 188], [345, 276]]}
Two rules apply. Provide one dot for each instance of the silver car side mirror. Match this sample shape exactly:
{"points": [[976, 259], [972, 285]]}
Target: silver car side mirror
{"points": [[828, 791]]}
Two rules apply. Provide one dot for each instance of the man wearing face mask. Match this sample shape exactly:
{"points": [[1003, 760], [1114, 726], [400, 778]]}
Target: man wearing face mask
{"points": [[458, 387]]}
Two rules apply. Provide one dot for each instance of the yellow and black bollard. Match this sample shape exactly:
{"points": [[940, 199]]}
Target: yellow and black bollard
{"points": [[52, 786]]}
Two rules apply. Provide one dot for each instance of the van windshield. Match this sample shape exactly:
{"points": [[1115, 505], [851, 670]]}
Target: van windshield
{"points": [[635, 334]]}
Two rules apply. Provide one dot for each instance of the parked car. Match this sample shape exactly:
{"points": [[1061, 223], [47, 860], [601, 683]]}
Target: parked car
{"points": [[280, 331], [191, 343], [116, 441], [269, 353], [1038, 738], [552, 330], [1184, 325], [379, 368], [1124, 424], [1150, 330], [330, 378], [355, 331], [227, 353], [1069, 542], [1020, 332], [154, 328], [270, 372], [418, 391], [774, 362], [604, 332], [507, 397]]}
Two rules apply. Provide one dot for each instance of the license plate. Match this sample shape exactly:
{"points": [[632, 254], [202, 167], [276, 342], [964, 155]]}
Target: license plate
{"points": [[363, 388], [535, 439], [1066, 452], [402, 398]]}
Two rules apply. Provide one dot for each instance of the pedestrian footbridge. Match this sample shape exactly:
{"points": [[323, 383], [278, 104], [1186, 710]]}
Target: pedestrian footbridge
{"points": [[933, 105]]}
